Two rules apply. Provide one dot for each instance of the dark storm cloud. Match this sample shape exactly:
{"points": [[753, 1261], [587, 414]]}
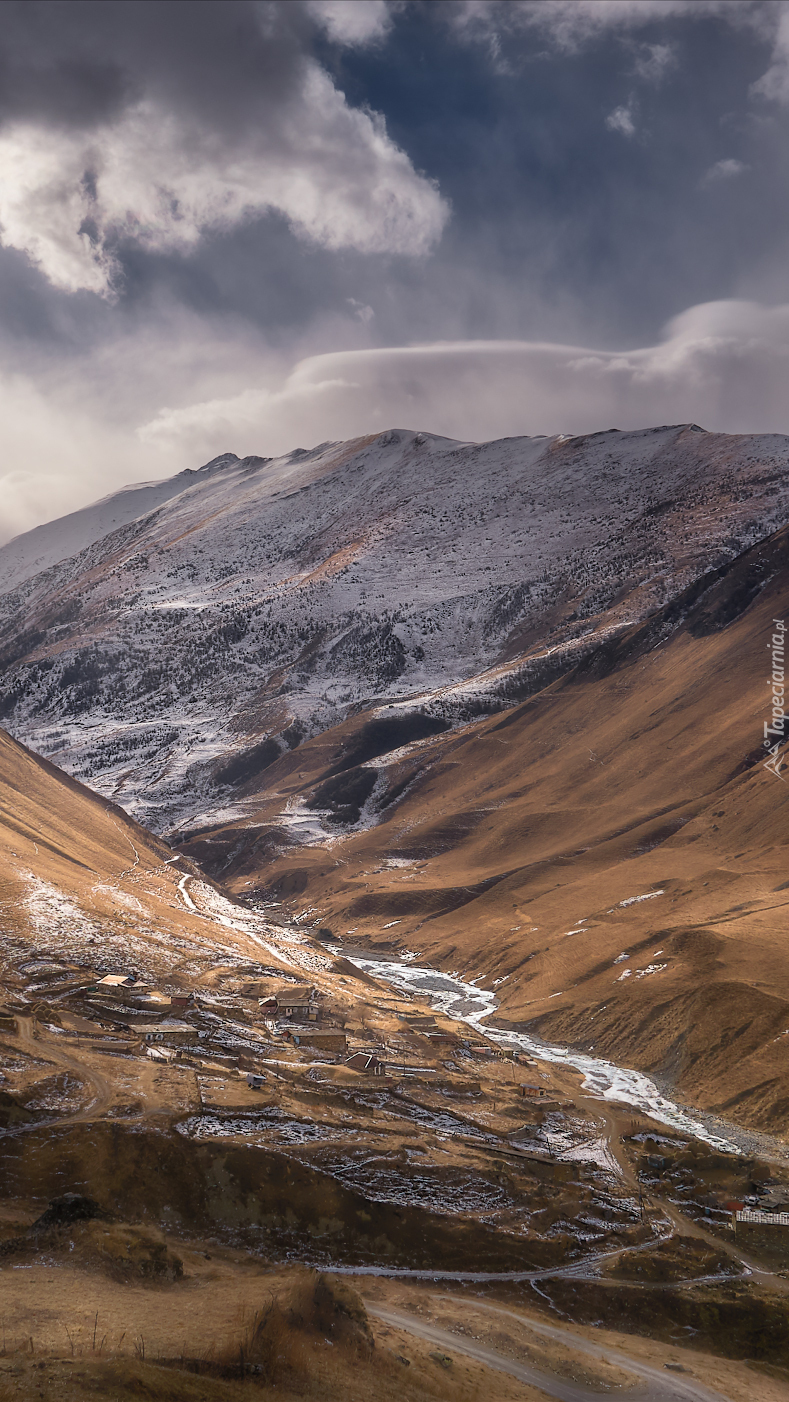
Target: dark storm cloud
{"points": [[582, 178], [69, 91], [221, 114], [563, 222], [217, 215], [80, 62]]}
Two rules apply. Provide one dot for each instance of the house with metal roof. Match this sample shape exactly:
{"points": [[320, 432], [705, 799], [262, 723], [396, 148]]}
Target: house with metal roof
{"points": [[367, 1063]]}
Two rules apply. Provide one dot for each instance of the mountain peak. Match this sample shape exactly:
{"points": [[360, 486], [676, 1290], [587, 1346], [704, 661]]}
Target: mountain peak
{"points": [[223, 460], [183, 631]]}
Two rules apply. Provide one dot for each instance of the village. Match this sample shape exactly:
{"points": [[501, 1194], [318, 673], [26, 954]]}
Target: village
{"points": [[231, 1122], [251, 1032], [370, 1084], [359, 1083]]}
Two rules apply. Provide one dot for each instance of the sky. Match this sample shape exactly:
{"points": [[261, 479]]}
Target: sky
{"points": [[236, 225]]}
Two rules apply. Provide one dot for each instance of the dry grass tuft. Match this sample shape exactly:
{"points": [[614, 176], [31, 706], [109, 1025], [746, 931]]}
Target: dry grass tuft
{"points": [[129, 1253], [276, 1346]]}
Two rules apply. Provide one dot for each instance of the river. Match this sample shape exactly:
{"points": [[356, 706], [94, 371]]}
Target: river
{"points": [[466, 1003]]}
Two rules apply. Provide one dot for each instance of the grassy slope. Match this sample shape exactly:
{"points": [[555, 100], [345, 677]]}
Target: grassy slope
{"points": [[82, 880], [640, 772]]}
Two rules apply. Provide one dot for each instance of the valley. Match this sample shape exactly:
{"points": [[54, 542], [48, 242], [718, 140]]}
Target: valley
{"points": [[394, 989], [608, 859]]}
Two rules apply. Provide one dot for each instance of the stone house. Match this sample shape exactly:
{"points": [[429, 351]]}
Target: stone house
{"points": [[171, 1033], [321, 1041], [296, 1003]]}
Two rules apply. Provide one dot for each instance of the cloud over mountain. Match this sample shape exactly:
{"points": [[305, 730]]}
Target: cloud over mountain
{"points": [[160, 173], [724, 363], [286, 222]]}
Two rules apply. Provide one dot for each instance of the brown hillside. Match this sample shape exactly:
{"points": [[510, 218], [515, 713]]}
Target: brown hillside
{"points": [[514, 848], [82, 881]]}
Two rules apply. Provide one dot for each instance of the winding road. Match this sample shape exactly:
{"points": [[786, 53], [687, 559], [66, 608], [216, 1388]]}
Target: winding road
{"points": [[102, 1088], [659, 1385], [613, 1116]]}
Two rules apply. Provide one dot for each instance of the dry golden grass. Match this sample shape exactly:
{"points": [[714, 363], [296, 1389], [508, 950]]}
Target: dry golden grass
{"points": [[73, 866], [311, 1341], [520, 836]]}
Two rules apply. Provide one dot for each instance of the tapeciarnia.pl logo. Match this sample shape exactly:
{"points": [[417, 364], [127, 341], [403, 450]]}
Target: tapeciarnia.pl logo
{"points": [[775, 730]]}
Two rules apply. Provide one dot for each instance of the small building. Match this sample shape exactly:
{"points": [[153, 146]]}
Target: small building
{"points": [[128, 991], [124, 1011], [767, 1233], [321, 1041], [112, 982], [255, 1081], [296, 1003], [169, 1032], [183, 998], [367, 1063], [535, 1092]]}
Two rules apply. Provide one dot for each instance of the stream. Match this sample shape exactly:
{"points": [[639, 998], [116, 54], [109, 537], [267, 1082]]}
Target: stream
{"points": [[466, 1003]]}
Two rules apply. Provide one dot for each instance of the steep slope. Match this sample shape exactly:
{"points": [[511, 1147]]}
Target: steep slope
{"points": [[37, 550], [177, 657], [611, 856], [83, 883]]}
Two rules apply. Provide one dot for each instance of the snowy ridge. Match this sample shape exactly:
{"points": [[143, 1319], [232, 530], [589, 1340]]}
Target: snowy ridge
{"points": [[199, 628], [37, 550]]}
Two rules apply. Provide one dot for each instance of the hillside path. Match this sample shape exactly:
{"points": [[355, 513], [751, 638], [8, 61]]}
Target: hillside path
{"points": [[659, 1386], [615, 1119], [102, 1088]]}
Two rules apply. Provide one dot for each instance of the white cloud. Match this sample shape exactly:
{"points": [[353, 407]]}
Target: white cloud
{"points": [[721, 364], [68, 425], [621, 119], [352, 22], [724, 170], [654, 61], [569, 24], [55, 456], [70, 435], [162, 180], [774, 85]]}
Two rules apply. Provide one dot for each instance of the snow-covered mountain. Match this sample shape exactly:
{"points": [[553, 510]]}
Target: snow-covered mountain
{"points": [[166, 656], [58, 540]]}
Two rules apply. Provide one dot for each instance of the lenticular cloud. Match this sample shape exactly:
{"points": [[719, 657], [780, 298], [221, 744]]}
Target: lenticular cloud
{"points": [[161, 180], [724, 365]]}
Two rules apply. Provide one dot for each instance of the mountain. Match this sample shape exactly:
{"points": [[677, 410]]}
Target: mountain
{"points": [[499, 706], [81, 883], [173, 658], [37, 550], [611, 856]]}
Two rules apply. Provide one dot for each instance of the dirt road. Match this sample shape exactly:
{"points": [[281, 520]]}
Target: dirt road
{"points": [[616, 1120], [103, 1094], [659, 1386]]}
